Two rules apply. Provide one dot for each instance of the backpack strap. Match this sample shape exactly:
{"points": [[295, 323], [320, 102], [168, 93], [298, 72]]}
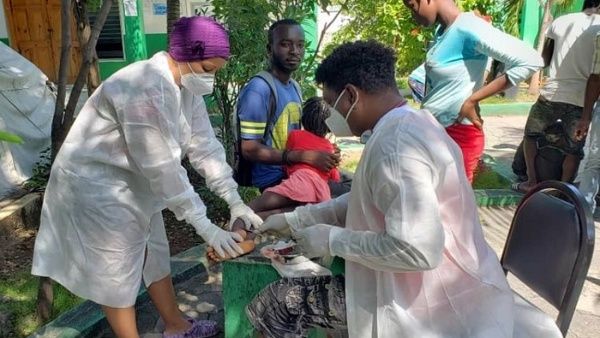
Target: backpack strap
{"points": [[268, 78], [298, 89]]}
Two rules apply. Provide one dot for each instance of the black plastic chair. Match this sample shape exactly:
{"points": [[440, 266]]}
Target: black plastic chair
{"points": [[550, 245]]}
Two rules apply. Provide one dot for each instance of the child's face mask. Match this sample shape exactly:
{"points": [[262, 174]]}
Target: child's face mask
{"points": [[337, 123]]}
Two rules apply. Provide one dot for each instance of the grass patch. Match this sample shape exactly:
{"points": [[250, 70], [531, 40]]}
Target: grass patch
{"points": [[350, 165], [248, 193], [485, 177], [522, 96], [19, 295]]}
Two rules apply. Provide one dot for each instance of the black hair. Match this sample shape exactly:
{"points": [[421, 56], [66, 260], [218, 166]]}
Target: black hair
{"points": [[282, 22], [314, 113], [591, 4], [368, 65]]}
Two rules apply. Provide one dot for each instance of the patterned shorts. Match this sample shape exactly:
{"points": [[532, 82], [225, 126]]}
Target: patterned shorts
{"points": [[553, 124], [288, 308]]}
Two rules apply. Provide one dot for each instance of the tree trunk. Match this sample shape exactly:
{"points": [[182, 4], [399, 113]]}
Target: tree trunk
{"points": [[89, 51], [173, 14], [534, 83], [63, 70], [82, 19]]}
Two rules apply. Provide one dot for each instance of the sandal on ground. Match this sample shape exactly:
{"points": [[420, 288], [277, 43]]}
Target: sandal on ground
{"points": [[517, 186], [199, 329]]}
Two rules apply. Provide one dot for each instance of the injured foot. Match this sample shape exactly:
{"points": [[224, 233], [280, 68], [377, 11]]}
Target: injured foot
{"points": [[247, 246], [238, 224], [522, 187]]}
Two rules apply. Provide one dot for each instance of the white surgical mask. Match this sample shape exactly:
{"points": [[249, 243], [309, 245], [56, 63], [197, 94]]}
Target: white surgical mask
{"points": [[337, 123], [198, 83]]}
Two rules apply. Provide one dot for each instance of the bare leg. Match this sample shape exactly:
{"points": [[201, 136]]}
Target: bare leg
{"points": [[162, 294], [569, 168], [267, 213], [530, 153], [270, 201], [122, 321]]}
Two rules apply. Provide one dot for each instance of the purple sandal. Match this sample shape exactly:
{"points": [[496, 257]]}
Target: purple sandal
{"points": [[199, 329]]}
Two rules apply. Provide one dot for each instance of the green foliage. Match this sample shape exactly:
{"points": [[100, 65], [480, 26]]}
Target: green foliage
{"points": [[248, 193], [217, 209], [93, 5], [248, 22], [10, 138], [19, 296], [41, 172], [512, 12], [390, 23], [490, 8]]}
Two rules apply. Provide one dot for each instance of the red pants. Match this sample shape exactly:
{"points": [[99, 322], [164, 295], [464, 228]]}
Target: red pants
{"points": [[471, 142]]}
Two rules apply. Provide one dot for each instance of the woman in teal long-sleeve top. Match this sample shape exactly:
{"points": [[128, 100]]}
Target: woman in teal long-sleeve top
{"points": [[455, 65]]}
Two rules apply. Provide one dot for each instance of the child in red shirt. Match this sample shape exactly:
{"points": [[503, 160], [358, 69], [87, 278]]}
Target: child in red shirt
{"points": [[305, 183]]}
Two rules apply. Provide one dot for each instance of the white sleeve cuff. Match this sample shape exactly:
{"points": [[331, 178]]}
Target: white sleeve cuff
{"points": [[335, 236]]}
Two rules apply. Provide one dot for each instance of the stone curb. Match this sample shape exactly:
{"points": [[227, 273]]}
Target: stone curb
{"points": [[498, 197], [88, 318]]}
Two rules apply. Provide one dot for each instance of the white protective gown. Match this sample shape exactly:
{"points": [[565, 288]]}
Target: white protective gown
{"points": [[118, 168], [417, 264]]}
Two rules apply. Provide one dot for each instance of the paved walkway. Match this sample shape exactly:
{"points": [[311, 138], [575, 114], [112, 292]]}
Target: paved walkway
{"points": [[502, 136], [586, 321]]}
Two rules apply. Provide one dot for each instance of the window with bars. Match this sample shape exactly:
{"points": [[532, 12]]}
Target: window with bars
{"points": [[110, 42]]}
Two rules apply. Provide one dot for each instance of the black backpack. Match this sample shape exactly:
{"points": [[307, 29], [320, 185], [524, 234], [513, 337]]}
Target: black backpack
{"points": [[242, 168]]}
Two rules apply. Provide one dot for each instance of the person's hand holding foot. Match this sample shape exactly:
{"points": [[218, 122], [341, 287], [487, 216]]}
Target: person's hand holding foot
{"points": [[247, 245]]}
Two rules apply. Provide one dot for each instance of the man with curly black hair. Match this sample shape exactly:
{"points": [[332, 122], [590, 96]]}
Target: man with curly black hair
{"points": [[416, 262]]}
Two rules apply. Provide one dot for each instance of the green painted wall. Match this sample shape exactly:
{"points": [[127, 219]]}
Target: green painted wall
{"points": [[311, 30], [155, 43], [134, 43], [531, 15], [107, 68], [5, 41], [134, 37], [530, 21], [577, 5]]}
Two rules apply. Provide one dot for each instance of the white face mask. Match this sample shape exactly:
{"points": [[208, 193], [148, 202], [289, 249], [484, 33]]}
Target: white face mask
{"points": [[197, 83], [337, 123]]}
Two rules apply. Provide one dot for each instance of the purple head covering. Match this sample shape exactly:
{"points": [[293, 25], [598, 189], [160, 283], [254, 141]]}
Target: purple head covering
{"points": [[198, 38]]}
